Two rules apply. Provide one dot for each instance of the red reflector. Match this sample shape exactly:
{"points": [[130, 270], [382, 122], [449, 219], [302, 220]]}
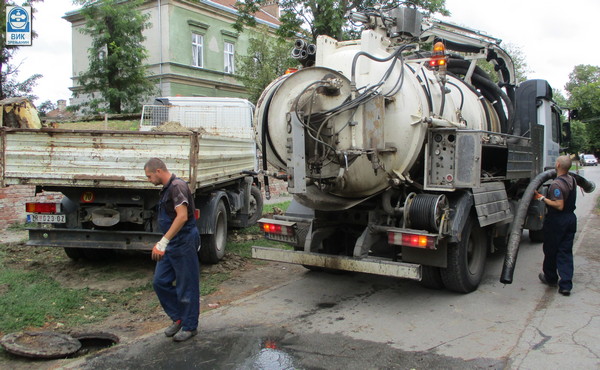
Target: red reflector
{"points": [[42, 207], [196, 213]]}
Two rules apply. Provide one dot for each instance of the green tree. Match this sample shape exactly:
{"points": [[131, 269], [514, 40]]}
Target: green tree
{"points": [[9, 84], [46, 107], [266, 59], [321, 17], [116, 70], [583, 88]]}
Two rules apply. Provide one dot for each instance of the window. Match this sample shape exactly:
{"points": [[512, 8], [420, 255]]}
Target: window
{"points": [[197, 50], [229, 60]]}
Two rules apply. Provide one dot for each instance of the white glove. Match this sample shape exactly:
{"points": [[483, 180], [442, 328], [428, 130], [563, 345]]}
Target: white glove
{"points": [[161, 246]]}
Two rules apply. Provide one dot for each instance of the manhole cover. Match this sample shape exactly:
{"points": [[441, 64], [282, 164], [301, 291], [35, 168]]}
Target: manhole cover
{"points": [[43, 344]]}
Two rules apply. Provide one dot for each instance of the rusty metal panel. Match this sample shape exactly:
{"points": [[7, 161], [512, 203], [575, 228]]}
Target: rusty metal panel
{"points": [[115, 159], [373, 128], [366, 265], [223, 158]]}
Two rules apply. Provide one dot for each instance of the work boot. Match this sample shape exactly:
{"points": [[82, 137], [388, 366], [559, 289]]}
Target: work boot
{"points": [[173, 328], [564, 292], [184, 335], [543, 279]]}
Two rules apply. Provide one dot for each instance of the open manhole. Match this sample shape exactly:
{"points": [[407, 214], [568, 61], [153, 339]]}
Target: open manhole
{"points": [[91, 342], [50, 345]]}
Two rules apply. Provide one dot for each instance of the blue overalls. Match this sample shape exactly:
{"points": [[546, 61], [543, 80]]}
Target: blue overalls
{"points": [[179, 265], [559, 233]]}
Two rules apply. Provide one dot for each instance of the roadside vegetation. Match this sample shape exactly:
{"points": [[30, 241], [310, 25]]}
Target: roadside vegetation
{"points": [[43, 288]]}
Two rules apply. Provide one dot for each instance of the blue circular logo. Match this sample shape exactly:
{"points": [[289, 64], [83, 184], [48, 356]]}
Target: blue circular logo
{"points": [[557, 193], [18, 19]]}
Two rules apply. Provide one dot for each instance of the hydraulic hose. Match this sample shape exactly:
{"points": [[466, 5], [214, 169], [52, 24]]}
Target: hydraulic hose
{"points": [[516, 229]]}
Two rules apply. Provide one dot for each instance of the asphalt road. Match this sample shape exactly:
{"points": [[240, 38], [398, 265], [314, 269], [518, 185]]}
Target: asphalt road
{"points": [[358, 321]]}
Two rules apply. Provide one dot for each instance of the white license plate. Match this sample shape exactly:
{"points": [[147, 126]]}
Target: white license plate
{"points": [[47, 219]]}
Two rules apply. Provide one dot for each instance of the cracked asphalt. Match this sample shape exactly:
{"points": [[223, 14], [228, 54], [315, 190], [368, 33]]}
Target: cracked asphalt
{"points": [[357, 321]]}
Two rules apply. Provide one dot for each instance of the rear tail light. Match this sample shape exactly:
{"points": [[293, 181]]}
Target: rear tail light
{"points": [[278, 229], [412, 240], [196, 213], [42, 207]]}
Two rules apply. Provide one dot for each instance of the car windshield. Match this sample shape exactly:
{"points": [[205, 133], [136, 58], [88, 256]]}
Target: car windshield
{"points": [[589, 156]]}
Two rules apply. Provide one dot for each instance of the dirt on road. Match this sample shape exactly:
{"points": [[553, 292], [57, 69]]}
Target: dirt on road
{"points": [[141, 314]]}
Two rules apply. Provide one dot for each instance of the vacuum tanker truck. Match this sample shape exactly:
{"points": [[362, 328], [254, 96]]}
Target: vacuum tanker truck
{"points": [[405, 160]]}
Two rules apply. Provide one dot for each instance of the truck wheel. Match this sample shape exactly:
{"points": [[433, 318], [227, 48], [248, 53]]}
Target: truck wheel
{"points": [[74, 253], [536, 236], [466, 259], [431, 277], [212, 248], [256, 205]]}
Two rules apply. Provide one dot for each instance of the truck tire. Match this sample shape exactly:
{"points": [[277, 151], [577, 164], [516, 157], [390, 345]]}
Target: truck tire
{"points": [[74, 253], [466, 259], [536, 236], [213, 245], [256, 205], [431, 277]]}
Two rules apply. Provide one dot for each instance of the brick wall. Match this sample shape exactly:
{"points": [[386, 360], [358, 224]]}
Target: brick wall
{"points": [[13, 199]]}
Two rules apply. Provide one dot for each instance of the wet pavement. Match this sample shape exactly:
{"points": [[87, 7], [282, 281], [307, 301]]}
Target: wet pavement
{"points": [[270, 349]]}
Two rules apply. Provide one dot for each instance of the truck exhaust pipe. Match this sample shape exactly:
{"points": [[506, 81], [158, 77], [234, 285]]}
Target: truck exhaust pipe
{"points": [[516, 230]]}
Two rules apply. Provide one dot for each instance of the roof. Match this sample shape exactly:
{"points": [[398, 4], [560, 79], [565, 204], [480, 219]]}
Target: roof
{"points": [[227, 5], [260, 15]]}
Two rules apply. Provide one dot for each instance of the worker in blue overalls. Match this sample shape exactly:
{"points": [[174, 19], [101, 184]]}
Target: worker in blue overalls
{"points": [[560, 226], [176, 278]]}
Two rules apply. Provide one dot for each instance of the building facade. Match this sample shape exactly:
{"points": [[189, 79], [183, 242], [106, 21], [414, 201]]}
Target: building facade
{"points": [[192, 46]]}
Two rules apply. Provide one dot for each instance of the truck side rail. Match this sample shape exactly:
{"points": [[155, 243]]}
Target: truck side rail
{"points": [[115, 159]]}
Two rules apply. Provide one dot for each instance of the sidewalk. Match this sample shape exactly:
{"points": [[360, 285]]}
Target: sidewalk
{"points": [[563, 332]]}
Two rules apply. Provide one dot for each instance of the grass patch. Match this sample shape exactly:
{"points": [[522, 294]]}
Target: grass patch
{"points": [[268, 208], [209, 282], [19, 309]]}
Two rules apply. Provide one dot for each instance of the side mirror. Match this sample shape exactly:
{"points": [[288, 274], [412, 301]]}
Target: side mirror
{"points": [[573, 114]]}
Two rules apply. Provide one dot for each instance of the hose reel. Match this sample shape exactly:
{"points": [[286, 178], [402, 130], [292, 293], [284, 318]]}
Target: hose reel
{"points": [[424, 211]]}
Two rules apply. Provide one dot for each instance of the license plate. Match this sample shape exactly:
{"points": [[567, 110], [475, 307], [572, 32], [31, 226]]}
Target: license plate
{"points": [[47, 219]]}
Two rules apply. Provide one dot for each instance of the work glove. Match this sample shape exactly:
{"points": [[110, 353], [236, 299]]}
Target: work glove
{"points": [[538, 196], [159, 249]]}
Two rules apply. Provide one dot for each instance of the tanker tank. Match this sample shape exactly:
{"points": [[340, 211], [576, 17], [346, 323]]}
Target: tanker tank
{"points": [[357, 120]]}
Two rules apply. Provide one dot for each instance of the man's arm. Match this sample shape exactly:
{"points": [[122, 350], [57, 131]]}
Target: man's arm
{"points": [[180, 220], [557, 204]]}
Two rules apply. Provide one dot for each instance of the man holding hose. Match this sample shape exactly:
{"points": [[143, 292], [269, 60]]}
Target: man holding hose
{"points": [[560, 226]]}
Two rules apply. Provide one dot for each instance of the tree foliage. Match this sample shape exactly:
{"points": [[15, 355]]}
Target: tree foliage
{"points": [[116, 78], [10, 86], [266, 59], [312, 18], [583, 88]]}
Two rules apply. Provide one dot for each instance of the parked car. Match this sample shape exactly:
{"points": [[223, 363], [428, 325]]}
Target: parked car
{"points": [[589, 160]]}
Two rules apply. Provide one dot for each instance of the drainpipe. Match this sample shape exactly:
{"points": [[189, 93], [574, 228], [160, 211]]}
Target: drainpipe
{"points": [[160, 45]]}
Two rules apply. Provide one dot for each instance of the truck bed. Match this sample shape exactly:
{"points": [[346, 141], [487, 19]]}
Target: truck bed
{"points": [[115, 159]]}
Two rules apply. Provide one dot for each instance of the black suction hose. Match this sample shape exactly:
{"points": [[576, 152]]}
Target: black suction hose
{"points": [[517, 226]]}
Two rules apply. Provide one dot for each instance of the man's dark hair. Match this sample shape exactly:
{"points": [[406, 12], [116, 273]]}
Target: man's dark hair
{"points": [[154, 164]]}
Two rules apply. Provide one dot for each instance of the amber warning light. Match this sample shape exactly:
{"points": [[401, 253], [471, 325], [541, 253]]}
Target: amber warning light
{"points": [[438, 57]]}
